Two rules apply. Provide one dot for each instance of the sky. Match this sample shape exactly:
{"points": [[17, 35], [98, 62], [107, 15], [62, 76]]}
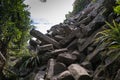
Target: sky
{"points": [[47, 14]]}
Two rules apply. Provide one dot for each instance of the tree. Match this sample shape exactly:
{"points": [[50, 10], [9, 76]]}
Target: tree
{"points": [[14, 27], [78, 5]]}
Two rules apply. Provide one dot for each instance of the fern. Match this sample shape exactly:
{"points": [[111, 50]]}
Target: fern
{"points": [[110, 36], [117, 8]]}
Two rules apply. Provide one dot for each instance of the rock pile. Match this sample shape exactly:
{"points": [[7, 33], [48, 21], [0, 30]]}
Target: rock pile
{"points": [[69, 51]]}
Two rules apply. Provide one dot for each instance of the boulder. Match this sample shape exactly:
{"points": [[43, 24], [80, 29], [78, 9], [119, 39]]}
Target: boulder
{"points": [[34, 43], [67, 29], [59, 68], [56, 52], [44, 48], [66, 75], [79, 56], [53, 54], [90, 49], [44, 38], [66, 58], [40, 75], [54, 68], [86, 20], [94, 25], [68, 39], [82, 45], [50, 69], [58, 37], [78, 72], [76, 54], [87, 65], [84, 13], [72, 45]]}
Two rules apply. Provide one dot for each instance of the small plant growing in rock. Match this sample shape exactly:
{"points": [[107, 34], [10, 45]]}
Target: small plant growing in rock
{"points": [[117, 8], [111, 36], [93, 0]]}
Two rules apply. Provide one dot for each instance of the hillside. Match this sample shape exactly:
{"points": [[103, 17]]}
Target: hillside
{"points": [[69, 50]]}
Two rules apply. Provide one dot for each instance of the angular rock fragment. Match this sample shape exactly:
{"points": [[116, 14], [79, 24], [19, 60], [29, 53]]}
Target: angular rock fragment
{"points": [[50, 69], [72, 45], [87, 65], [95, 57], [82, 57], [68, 39], [34, 42], [46, 47], [66, 29], [78, 72], [90, 49], [58, 51], [40, 75], [82, 46], [66, 58], [86, 20], [44, 38], [66, 75], [33, 45], [85, 12], [54, 68], [58, 37], [59, 68], [52, 54], [95, 24], [76, 54]]}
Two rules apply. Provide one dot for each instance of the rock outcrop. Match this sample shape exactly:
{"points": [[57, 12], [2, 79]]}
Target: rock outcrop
{"points": [[69, 50]]}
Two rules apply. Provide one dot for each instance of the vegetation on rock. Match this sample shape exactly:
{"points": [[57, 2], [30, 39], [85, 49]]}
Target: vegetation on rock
{"points": [[14, 28], [78, 6], [117, 8], [110, 36]]}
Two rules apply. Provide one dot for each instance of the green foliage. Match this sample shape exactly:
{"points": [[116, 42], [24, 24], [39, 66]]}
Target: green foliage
{"points": [[109, 39], [14, 69], [110, 36], [79, 5], [10, 74], [31, 61], [14, 30], [117, 8], [68, 15], [14, 23], [94, 0], [26, 64]]}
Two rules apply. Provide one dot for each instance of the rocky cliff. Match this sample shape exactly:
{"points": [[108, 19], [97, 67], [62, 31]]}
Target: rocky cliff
{"points": [[69, 51]]}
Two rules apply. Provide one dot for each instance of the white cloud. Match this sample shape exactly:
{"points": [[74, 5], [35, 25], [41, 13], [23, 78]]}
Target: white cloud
{"points": [[40, 21], [50, 13], [42, 27], [42, 24]]}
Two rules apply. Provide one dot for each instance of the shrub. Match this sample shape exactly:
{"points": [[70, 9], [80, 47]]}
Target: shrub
{"points": [[117, 8], [110, 36]]}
